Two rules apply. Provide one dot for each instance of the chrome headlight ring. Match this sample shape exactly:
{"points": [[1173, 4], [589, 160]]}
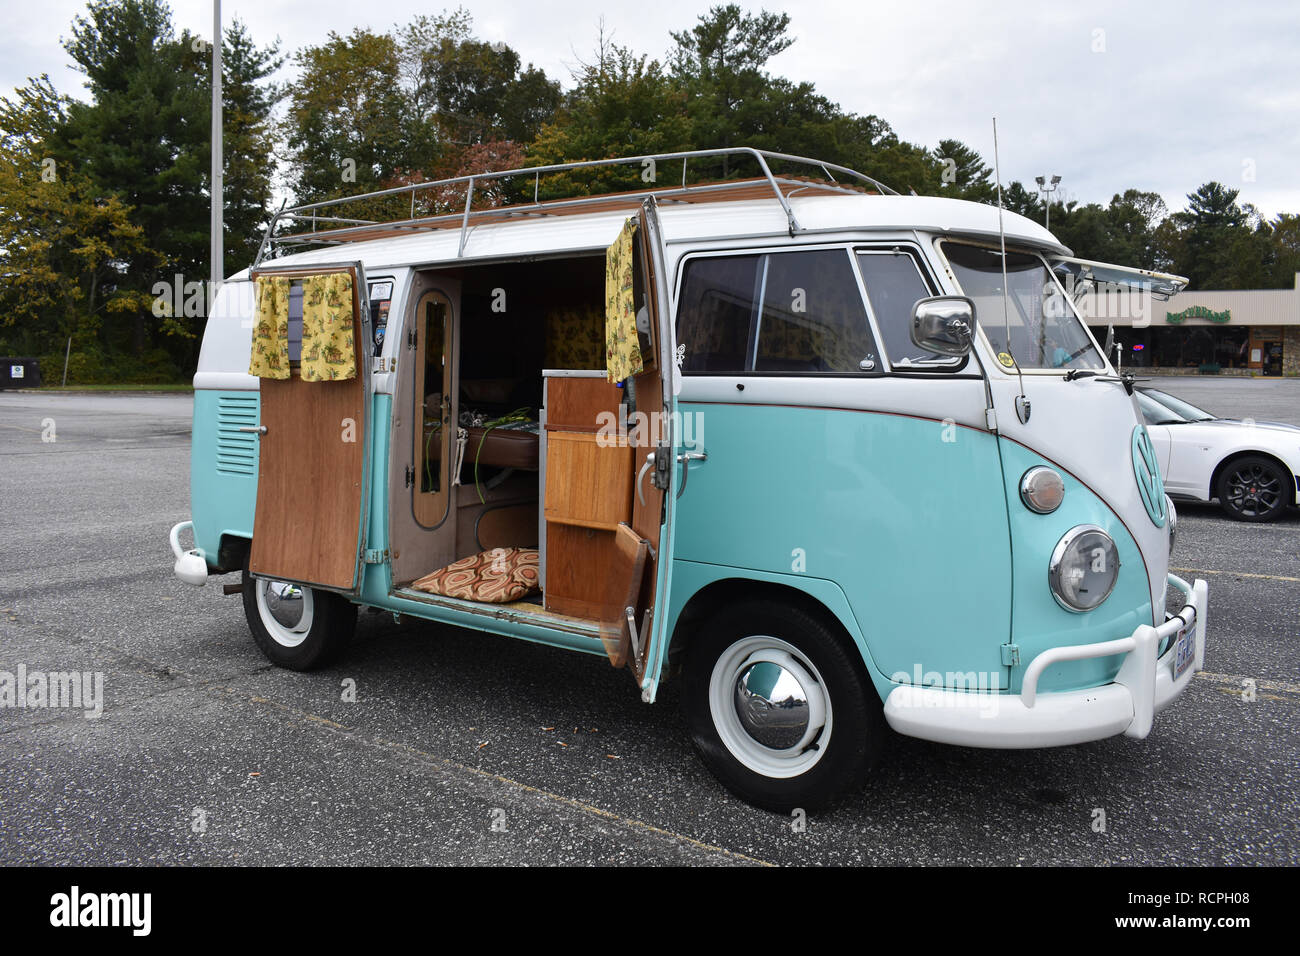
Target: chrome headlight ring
{"points": [[1084, 568]]}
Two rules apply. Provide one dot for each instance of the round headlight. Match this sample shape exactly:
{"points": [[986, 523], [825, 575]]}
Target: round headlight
{"points": [[1084, 568], [1172, 519], [1042, 490]]}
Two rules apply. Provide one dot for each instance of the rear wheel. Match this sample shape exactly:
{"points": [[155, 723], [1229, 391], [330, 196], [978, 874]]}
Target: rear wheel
{"points": [[778, 709], [295, 626], [1254, 488]]}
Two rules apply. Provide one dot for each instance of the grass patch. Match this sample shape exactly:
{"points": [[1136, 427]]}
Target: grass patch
{"points": [[164, 387]]}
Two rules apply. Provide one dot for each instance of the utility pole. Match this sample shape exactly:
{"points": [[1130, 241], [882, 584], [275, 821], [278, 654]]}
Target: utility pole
{"points": [[1046, 192], [216, 225]]}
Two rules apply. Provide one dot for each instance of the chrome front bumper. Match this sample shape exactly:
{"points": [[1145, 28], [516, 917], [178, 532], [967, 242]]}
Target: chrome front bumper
{"points": [[1144, 686]]}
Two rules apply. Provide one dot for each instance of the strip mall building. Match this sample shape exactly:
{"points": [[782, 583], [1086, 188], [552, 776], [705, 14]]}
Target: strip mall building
{"points": [[1253, 332]]}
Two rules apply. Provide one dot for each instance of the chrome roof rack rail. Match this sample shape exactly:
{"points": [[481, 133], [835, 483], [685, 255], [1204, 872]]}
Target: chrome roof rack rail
{"points": [[354, 229]]}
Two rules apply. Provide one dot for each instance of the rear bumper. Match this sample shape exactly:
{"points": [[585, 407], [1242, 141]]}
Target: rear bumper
{"points": [[191, 566], [1144, 686]]}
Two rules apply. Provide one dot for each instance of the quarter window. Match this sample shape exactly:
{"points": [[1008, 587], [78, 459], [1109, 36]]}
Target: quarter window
{"points": [[781, 313]]}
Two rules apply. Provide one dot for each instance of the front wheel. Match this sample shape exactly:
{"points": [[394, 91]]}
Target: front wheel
{"points": [[1254, 488], [778, 708], [296, 626]]}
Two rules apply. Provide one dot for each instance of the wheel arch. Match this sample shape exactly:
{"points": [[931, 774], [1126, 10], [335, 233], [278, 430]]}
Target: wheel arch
{"points": [[732, 590], [1250, 453]]}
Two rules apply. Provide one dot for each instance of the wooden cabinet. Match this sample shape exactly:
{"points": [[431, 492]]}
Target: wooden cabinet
{"points": [[588, 493], [588, 480]]}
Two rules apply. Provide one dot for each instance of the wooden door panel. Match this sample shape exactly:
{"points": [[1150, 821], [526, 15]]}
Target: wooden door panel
{"points": [[311, 468], [309, 482]]}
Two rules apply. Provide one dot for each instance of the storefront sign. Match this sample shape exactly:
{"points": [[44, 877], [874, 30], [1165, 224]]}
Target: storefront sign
{"points": [[1198, 312]]}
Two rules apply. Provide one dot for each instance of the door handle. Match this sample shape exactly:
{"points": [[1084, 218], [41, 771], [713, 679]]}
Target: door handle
{"points": [[686, 458], [255, 429], [640, 476]]}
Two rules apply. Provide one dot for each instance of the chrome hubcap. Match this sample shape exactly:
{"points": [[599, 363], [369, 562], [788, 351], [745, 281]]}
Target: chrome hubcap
{"points": [[286, 610], [770, 707], [284, 601]]}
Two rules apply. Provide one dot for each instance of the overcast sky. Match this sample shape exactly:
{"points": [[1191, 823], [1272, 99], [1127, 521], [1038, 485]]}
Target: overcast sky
{"points": [[1154, 95]]}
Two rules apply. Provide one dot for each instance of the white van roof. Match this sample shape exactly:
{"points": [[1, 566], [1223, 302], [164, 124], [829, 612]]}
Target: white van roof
{"points": [[767, 206]]}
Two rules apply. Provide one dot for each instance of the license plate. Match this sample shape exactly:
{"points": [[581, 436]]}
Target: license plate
{"points": [[1184, 651]]}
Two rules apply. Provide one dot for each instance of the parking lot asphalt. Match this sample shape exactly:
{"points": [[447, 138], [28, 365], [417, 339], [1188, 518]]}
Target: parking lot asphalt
{"points": [[466, 748]]}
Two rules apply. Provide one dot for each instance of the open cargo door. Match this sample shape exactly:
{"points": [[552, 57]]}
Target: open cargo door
{"points": [[313, 434], [644, 545]]}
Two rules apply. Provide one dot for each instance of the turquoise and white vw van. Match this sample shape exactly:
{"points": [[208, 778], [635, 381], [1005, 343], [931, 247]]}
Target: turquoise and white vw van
{"points": [[834, 459]]}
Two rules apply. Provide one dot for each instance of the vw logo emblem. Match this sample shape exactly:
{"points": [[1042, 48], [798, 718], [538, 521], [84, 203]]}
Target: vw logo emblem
{"points": [[1146, 469]]}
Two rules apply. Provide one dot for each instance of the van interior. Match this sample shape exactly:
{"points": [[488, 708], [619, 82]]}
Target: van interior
{"points": [[498, 452]]}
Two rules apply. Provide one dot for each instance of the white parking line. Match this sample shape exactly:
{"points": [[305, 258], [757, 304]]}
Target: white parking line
{"points": [[1238, 574], [1237, 681]]}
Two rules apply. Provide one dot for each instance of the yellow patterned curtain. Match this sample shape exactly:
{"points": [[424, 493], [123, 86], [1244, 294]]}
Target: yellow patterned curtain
{"points": [[270, 353], [328, 348], [622, 350]]}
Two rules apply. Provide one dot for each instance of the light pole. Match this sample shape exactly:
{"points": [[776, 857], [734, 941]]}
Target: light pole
{"points": [[217, 273], [1047, 191]]}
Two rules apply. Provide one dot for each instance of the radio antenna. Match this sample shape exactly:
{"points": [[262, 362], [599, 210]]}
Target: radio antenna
{"points": [[1022, 400]]}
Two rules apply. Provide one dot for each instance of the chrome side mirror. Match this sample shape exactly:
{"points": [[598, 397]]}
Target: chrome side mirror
{"points": [[943, 324]]}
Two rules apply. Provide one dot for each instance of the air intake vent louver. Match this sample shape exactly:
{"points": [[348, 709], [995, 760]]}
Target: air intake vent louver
{"points": [[236, 450]]}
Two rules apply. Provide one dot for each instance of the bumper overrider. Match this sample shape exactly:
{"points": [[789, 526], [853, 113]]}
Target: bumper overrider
{"points": [[1144, 686]]}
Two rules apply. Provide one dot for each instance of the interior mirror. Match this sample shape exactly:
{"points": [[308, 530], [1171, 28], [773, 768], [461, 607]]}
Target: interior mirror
{"points": [[944, 324]]}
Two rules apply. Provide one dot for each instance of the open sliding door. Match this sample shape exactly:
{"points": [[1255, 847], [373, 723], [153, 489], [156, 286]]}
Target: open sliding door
{"points": [[313, 472]]}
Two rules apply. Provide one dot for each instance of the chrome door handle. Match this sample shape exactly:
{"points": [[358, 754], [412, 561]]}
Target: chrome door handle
{"points": [[640, 476], [686, 458], [255, 429]]}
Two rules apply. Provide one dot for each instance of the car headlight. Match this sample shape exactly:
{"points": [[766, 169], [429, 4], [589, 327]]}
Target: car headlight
{"points": [[1173, 521], [1084, 568], [1042, 490]]}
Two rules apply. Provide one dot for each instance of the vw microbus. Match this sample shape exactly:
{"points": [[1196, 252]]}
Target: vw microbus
{"points": [[836, 459]]}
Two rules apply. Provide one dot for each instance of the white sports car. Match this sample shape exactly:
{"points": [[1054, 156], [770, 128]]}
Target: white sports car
{"points": [[1252, 468]]}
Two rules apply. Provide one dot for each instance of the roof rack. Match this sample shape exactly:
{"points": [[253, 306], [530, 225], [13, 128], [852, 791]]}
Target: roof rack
{"points": [[310, 217]]}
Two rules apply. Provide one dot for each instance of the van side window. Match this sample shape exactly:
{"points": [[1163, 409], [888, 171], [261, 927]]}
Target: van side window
{"points": [[786, 312], [894, 282], [813, 319], [716, 311]]}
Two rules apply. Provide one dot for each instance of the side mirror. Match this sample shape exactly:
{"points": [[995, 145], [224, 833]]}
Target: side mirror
{"points": [[944, 324]]}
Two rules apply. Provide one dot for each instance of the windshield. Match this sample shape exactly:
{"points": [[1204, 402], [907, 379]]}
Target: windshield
{"points": [[1153, 413], [1045, 332], [1184, 409]]}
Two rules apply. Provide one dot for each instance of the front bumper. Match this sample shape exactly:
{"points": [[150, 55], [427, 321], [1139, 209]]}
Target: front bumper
{"points": [[1144, 686]]}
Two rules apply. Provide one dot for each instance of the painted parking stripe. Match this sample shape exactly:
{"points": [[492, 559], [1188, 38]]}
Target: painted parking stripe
{"points": [[1238, 574], [1237, 682]]}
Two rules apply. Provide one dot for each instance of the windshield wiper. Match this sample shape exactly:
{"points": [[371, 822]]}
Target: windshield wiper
{"points": [[1125, 378]]}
